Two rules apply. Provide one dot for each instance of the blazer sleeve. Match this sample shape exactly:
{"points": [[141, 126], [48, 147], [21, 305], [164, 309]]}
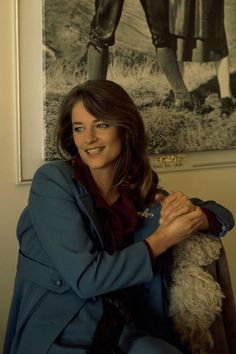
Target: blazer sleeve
{"points": [[223, 215], [59, 224]]}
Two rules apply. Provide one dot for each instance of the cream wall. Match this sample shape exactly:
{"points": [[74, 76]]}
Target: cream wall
{"points": [[13, 198], [216, 184]]}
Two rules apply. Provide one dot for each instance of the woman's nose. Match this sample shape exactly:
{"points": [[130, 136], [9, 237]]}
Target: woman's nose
{"points": [[90, 136]]}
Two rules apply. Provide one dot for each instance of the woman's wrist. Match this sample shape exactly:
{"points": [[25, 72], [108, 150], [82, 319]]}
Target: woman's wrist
{"points": [[157, 243]]}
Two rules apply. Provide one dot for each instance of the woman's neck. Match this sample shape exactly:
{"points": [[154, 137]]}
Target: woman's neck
{"points": [[104, 183]]}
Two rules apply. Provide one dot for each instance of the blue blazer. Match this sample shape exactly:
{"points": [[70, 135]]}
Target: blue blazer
{"points": [[63, 269]]}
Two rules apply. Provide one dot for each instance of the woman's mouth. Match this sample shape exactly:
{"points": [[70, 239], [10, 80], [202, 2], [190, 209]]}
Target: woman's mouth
{"points": [[95, 150]]}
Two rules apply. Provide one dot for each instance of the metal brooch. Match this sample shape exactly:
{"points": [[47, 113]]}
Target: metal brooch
{"points": [[145, 214]]}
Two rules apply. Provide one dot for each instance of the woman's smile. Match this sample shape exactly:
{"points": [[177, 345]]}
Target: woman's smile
{"points": [[95, 150]]}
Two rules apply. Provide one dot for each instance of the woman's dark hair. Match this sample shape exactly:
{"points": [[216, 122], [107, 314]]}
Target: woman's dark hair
{"points": [[109, 102]]}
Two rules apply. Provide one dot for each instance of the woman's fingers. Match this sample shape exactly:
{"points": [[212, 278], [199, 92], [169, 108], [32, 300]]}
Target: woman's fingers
{"points": [[169, 234], [193, 220], [170, 215], [177, 204], [174, 205], [187, 222]]}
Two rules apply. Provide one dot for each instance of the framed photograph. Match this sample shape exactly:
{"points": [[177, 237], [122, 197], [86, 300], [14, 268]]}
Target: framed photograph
{"points": [[52, 40]]}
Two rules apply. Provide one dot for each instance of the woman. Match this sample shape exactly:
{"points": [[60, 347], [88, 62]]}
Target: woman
{"points": [[79, 269]]}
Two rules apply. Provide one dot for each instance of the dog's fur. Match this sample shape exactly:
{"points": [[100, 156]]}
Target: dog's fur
{"points": [[195, 297]]}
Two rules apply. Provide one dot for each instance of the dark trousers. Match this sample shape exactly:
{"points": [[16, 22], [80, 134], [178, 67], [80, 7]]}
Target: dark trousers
{"points": [[107, 17]]}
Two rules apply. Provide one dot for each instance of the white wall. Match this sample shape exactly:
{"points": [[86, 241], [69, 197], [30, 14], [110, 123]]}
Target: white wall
{"points": [[218, 184]]}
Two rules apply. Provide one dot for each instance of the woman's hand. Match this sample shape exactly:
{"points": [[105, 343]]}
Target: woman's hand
{"points": [[175, 231], [177, 204], [179, 218]]}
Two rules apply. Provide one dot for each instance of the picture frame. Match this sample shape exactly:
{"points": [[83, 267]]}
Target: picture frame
{"points": [[28, 73], [29, 104]]}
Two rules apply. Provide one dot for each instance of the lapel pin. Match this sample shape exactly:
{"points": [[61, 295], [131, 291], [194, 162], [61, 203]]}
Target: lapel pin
{"points": [[145, 214]]}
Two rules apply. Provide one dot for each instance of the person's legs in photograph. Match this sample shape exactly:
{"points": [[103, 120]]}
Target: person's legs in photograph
{"points": [[157, 15], [223, 77], [97, 62], [169, 66], [102, 35]]}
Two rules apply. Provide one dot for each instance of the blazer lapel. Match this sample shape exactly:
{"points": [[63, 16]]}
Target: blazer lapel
{"points": [[90, 211]]}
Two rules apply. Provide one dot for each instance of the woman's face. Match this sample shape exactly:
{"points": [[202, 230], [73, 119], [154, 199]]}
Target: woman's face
{"points": [[98, 143]]}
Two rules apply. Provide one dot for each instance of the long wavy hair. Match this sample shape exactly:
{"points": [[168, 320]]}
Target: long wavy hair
{"points": [[109, 102]]}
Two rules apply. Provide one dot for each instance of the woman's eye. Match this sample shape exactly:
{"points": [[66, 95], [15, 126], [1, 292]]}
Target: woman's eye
{"points": [[102, 125], [78, 129]]}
